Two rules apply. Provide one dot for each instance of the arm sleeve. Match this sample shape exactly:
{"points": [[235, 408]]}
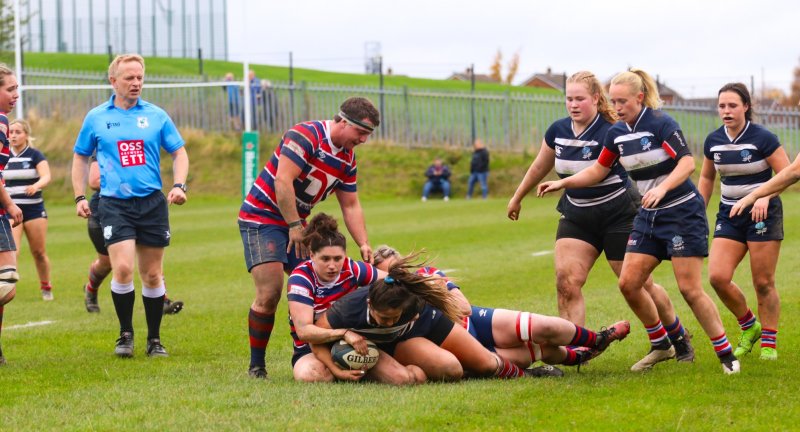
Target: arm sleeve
{"points": [[675, 145], [171, 139], [86, 143], [299, 289]]}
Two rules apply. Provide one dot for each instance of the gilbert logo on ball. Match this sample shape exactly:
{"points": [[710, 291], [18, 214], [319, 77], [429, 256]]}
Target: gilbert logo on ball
{"points": [[346, 357]]}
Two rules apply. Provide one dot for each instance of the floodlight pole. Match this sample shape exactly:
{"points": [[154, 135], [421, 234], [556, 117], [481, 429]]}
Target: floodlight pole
{"points": [[18, 58]]}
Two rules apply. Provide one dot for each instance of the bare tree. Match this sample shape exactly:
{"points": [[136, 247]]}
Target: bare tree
{"points": [[7, 23]]}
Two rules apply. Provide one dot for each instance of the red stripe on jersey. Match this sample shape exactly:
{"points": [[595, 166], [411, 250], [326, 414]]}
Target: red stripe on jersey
{"points": [[607, 158], [668, 148]]}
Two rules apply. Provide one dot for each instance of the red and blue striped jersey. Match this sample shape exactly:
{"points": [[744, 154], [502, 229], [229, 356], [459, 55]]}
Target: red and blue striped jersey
{"points": [[305, 287], [324, 168], [433, 271], [5, 151]]}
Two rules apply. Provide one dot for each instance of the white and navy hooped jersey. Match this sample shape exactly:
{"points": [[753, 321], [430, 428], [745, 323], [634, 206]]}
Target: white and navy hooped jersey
{"points": [[741, 161], [325, 169], [20, 173], [352, 312], [576, 152], [649, 151]]}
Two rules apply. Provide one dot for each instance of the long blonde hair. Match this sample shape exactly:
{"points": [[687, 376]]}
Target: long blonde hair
{"points": [[595, 88], [26, 127], [4, 71], [640, 81]]}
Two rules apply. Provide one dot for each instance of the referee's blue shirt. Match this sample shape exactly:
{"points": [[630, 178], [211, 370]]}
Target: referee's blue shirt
{"points": [[128, 145]]}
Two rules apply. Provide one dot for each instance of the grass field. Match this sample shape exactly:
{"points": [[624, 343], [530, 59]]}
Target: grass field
{"points": [[63, 376]]}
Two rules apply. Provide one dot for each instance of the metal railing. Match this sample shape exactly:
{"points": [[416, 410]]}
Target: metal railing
{"points": [[410, 117]]}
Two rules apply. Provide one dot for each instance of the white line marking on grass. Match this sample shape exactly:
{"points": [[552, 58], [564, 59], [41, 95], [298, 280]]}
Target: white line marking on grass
{"points": [[542, 253], [28, 325], [448, 271]]}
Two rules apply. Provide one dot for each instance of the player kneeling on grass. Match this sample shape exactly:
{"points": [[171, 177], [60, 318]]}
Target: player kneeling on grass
{"points": [[520, 337], [313, 287]]}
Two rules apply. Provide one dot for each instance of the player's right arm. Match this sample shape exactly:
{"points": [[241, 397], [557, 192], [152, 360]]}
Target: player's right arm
{"points": [[542, 165], [785, 178], [323, 354], [80, 172], [287, 172]]}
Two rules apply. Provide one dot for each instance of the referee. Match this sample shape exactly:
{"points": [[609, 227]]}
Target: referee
{"points": [[127, 134]]}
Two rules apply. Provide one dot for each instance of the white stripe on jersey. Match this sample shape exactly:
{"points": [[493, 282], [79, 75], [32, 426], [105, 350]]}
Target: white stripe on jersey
{"points": [[736, 191], [585, 202], [576, 142], [633, 136], [20, 174], [570, 167], [733, 147], [644, 160], [743, 168]]}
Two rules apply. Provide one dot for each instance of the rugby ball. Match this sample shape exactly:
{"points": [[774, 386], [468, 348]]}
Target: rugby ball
{"points": [[346, 357]]}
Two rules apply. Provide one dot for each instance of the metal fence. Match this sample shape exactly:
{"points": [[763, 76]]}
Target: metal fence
{"points": [[410, 117]]}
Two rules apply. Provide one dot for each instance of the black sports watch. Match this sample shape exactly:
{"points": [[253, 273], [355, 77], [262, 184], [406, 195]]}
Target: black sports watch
{"points": [[181, 186]]}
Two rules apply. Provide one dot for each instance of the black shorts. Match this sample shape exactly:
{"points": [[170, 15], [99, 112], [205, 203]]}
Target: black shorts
{"points": [[145, 220], [94, 228], [432, 324], [605, 226], [32, 211]]}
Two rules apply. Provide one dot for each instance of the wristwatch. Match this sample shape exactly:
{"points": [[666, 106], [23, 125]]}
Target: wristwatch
{"points": [[181, 186]]}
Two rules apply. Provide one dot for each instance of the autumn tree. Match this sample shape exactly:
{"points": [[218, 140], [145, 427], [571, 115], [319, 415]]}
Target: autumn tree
{"points": [[794, 97], [497, 66], [513, 66]]}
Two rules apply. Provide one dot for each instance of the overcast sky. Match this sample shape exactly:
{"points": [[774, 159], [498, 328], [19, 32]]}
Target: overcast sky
{"points": [[693, 46]]}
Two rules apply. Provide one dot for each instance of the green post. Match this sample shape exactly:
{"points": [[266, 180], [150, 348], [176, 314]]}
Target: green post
{"points": [[249, 161]]}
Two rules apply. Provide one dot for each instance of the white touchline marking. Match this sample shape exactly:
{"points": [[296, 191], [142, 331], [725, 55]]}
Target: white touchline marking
{"points": [[446, 271], [29, 324], [541, 253]]}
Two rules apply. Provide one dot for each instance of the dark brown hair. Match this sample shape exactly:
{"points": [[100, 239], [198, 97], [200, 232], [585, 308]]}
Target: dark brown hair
{"points": [[322, 231], [404, 289], [743, 93], [359, 108]]}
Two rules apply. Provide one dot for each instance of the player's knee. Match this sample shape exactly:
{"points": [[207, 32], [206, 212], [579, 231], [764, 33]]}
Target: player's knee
{"points": [[446, 370], [718, 280], [568, 284], [764, 285], [8, 283], [313, 373]]}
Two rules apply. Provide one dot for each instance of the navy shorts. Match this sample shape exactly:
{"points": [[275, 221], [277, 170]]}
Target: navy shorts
{"points": [[678, 231], [145, 220], [605, 226], [480, 326], [94, 228], [742, 228], [267, 243], [6, 238], [32, 211]]}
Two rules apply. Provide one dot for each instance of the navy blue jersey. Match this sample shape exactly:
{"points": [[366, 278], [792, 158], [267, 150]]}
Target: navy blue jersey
{"points": [[352, 312], [649, 151], [20, 173], [576, 152], [741, 161]]}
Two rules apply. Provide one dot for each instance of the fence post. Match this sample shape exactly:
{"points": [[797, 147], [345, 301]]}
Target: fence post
{"points": [[407, 115], [507, 119]]}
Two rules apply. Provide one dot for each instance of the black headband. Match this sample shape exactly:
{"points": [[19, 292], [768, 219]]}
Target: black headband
{"points": [[359, 123]]}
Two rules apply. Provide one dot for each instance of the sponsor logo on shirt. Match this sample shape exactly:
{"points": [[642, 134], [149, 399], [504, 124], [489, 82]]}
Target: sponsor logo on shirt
{"points": [[131, 152], [717, 157], [587, 153], [558, 150], [646, 144], [142, 122], [746, 155], [109, 125]]}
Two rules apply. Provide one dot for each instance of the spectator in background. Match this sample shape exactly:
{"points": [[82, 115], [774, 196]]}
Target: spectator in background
{"points": [[234, 103], [255, 96], [479, 169], [438, 180]]}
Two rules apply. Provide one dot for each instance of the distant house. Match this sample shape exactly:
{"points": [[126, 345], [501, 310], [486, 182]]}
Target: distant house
{"points": [[465, 76], [668, 94], [546, 80]]}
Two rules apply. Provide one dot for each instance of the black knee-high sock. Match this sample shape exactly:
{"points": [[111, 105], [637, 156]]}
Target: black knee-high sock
{"points": [[153, 312], [123, 304]]}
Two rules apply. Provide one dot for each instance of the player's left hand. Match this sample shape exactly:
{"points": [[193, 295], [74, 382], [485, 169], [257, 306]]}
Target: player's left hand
{"points": [[653, 197], [759, 211], [176, 196], [31, 190], [366, 253], [15, 214]]}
